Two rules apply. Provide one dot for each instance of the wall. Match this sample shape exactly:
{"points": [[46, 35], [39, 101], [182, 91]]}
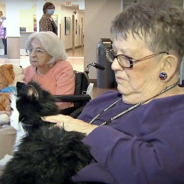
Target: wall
{"points": [[98, 16], [26, 18], [2, 8]]}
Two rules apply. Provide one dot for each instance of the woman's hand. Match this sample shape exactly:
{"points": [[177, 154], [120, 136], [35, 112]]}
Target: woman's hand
{"points": [[71, 124]]}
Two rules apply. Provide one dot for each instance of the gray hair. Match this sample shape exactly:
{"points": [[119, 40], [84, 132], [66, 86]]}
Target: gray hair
{"points": [[158, 22], [51, 43]]}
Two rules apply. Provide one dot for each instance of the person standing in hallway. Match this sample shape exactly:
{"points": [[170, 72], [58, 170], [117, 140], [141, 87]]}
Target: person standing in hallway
{"points": [[46, 22], [3, 31]]}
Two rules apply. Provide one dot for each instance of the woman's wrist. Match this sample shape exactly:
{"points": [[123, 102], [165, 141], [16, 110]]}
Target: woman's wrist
{"points": [[90, 129]]}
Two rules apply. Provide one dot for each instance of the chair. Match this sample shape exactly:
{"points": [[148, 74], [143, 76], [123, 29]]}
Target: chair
{"points": [[80, 98]]}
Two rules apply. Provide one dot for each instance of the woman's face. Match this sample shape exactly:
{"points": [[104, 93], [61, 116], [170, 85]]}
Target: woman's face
{"points": [[50, 10], [139, 81], [38, 59]]}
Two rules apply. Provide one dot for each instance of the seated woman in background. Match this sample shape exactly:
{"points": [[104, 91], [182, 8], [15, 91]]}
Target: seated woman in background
{"points": [[48, 66]]}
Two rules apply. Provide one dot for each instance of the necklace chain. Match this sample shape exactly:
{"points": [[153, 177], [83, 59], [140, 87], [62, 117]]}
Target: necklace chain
{"points": [[129, 109]]}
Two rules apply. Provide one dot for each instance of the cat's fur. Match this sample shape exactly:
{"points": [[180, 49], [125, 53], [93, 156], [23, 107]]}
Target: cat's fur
{"points": [[46, 154]]}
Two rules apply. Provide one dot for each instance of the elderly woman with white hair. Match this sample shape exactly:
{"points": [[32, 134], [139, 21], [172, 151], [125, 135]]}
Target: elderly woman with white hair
{"points": [[48, 66]]}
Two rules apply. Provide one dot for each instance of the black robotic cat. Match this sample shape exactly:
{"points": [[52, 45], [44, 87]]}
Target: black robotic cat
{"points": [[46, 154]]}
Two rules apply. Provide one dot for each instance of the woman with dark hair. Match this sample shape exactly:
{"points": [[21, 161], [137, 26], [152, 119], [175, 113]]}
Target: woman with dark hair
{"points": [[46, 22], [136, 134]]}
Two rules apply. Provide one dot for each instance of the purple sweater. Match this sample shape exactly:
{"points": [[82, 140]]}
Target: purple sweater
{"points": [[144, 146]]}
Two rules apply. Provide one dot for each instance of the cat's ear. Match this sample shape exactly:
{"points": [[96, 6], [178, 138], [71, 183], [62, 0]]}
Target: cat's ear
{"points": [[31, 91]]}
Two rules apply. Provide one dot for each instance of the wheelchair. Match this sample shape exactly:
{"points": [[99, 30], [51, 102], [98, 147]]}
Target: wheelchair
{"points": [[80, 98]]}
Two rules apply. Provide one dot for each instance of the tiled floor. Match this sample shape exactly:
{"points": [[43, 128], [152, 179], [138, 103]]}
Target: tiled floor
{"points": [[78, 52], [76, 57]]}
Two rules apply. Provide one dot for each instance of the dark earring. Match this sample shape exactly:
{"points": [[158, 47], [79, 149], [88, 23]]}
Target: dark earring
{"points": [[163, 76]]}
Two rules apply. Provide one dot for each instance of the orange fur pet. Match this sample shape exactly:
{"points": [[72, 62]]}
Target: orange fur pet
{"points": [[5, 102], [5, 109], [9, 75]]}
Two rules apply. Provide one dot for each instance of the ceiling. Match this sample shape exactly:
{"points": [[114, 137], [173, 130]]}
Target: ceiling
{"points": [[74, 6], [52, 1]]}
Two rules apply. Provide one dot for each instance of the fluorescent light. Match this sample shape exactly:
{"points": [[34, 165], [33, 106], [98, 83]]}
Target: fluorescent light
{"points": [[81, 5]]}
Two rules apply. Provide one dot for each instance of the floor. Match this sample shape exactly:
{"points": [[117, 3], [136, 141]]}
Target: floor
{"points": [[76, 58]]}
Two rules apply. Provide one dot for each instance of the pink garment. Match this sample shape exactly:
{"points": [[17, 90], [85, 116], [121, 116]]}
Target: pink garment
{"points": [[58, 81]]}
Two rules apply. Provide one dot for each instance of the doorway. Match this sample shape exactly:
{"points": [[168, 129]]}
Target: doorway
{"points": [[73, 32], [82, 33]]}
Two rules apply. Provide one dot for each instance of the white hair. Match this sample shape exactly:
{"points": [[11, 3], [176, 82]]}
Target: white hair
{"points": [[51, 43]]}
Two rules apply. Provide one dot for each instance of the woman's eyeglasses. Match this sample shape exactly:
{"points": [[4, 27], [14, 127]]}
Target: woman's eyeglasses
{"points": [[37, 50], [126, 61]]}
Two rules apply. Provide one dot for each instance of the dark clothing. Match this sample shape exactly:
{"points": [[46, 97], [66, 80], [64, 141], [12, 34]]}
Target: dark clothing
{"points": [[144, 146], [54, 27]]}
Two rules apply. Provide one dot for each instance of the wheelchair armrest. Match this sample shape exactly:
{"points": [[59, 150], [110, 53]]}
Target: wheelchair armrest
{"points": [[72, 98]]}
